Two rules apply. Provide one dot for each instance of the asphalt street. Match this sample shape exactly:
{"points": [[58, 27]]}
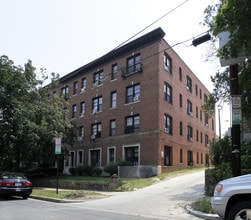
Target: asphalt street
{"points": [[163, 200]]}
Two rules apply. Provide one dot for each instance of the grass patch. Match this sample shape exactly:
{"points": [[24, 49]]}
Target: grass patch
{"points": [[131, 184], [203, 205], [64, 194]]}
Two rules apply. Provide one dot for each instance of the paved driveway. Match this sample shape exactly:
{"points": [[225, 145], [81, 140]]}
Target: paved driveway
{"points": [[163, 200]]}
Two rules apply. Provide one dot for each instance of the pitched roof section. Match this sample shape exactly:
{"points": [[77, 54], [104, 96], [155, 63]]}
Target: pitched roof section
{"points": [[138, 43]]}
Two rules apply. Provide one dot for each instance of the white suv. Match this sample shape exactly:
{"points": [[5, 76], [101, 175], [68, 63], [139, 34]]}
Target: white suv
{"points": [[232, 198]]}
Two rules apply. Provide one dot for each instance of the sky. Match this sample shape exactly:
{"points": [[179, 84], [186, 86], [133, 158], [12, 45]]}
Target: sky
{"points": [[63, 35]]}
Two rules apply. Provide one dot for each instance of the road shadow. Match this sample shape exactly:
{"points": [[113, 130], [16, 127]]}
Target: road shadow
{"points": [[192, 194], [10, 198]]}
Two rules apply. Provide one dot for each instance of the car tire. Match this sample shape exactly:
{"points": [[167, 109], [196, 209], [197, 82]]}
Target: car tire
{"points": [[239, 211], [25, 196]]}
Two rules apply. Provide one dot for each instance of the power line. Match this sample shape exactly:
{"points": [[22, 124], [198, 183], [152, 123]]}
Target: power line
{"points": [[151, 24]]}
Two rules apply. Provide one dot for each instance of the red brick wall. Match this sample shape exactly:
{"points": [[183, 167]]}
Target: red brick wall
{"points": [[151, 109]]}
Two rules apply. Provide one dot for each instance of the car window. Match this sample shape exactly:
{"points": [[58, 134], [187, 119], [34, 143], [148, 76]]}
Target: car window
{"points": [[11, 176]]}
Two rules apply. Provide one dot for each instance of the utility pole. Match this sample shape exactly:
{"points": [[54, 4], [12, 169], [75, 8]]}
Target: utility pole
{"points": [[233, 62], [236, 120]]}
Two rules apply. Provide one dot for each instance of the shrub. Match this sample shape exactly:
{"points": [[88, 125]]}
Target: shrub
{"points": [[125, 163], [88, 170], [245, 161], [73, 170], [111, 168], [203, 205], [222, 172], [82, 170], [221, 151], [96, 171]]}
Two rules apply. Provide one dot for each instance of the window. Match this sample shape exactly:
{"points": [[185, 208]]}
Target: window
{"points": [[98, 78], [206, 140], [95, 158], [190, 158], [206, 120], [196, 90], [97, 104], [181, 128], [65, 92], [200, 93], [82, 108], [167, 156], [72, 158], [201, 158], [133, 64], [167, 63], [74, 111], [113, 99], [200, 115], [189, 133], [205, 98], [181, 156], [168, 124], [189, 108], [133, 93], [112, 128], [197, 112], [197, 158], [132, 124], [201, 137], [212, 124], [132, 154], [111, 155], [80, 157], [83, 85], [189, 84], [197, 135], [181, 101], [96, 131], [75, 88], [81, 131], [180, 74], [114, 72], [168, 93]]}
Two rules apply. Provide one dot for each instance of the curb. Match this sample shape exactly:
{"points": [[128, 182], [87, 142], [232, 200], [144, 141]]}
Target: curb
{"points": [[48, 199], [202, 214]]}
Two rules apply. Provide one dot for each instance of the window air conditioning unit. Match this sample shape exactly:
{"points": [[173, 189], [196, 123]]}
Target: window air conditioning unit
{"points": [[191, 114], [80, 138], [93, 136], [83, 89], [167, 130], [95, 84], [167, 68], [190, 139], [136, 98]]}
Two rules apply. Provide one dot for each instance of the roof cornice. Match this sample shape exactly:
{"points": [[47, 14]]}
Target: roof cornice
{"points": [[138, 43]]}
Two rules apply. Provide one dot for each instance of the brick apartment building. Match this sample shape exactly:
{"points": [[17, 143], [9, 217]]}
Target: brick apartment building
{"points": [[140, 103]]}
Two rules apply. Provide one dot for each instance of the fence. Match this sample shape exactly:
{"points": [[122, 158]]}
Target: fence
{"points": [[137, 171]]}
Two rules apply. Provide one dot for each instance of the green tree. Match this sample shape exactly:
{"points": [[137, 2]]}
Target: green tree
{"points": [[30, 120], [233, 16], [220, 151]]}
